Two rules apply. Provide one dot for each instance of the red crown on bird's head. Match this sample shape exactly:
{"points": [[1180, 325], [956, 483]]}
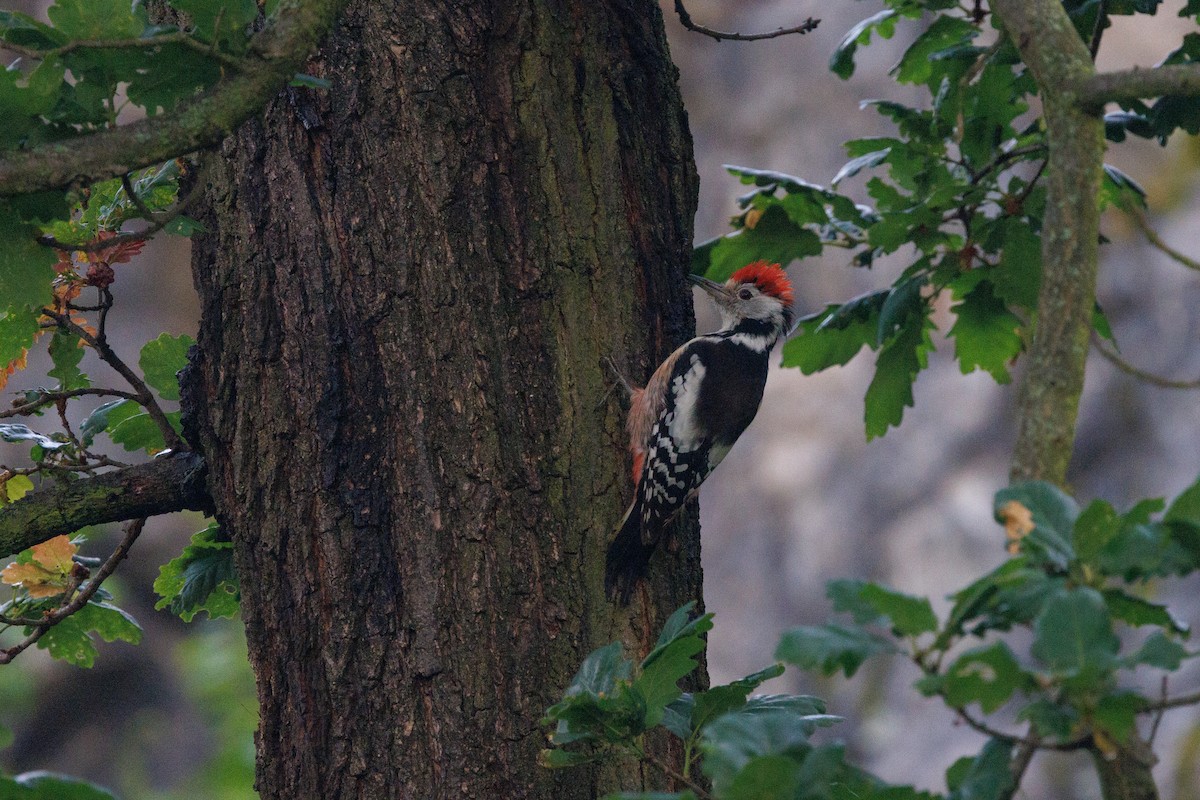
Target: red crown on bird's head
{"points": [[769, 278]]}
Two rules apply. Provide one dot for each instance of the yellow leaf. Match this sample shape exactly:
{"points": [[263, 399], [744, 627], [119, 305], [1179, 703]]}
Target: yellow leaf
{"points": [[750, 220], [55, 554], [14, 488], [1018, 523]]}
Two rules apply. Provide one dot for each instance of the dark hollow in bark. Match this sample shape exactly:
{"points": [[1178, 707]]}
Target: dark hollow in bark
{"points": [[408, 288]]}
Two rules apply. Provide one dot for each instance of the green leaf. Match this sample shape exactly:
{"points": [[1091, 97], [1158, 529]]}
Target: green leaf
{"points": [[986, 334], [1073, 635], [42, 785], [1094, 529], [916, 64], [1136, 612], [835, 335], [988, 776], [988, 675], [1185, 507], [201, 578], [1120, 190], [162, 359], [70, 639], [774, 239], [18, 328], [1017, 278], [731, 742], [842, 61], [66, 354], [600, 671], [1054, 514], [99, 19], [231, 15], [669, 661], [1117, 713], [896, 367], [717, 700], [129, 426], [869, 602], [1160, 651], [26, 268], [857, 165], [830, 647], [1050, 719], [765, 778]]}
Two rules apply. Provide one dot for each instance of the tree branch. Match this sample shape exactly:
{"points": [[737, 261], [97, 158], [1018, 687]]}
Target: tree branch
{"points": [[169, 483], [685, 19], [276, 53], [1048, 397], [1139, 83], [1158, 242], [1140, 374]]}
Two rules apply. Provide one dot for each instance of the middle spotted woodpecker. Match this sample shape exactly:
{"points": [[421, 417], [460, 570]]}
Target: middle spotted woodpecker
{"points": [[694, 407]]}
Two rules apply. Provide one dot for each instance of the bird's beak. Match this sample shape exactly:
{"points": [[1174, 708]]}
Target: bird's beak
{"points": [[717, 291]]}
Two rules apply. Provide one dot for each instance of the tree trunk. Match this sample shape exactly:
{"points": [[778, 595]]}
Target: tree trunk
{"points": [[409, 285]]}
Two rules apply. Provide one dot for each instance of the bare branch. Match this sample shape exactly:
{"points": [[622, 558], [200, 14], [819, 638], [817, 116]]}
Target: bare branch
{"points": [[1033, 743], [169, 483], [1156, 241], [685, 19], [276, 53], [1139, 83], [1129, 369]]}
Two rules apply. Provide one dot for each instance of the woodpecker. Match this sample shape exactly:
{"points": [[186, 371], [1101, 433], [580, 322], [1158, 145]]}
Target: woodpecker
{"points": [[692, 410]]}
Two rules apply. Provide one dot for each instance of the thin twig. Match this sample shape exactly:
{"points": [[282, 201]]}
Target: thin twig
{"points": [[1162, 695], [1140, 374], [46, 398], [132, 531], [675, 774], [176, 37], [1097, 30], [1033, 741], [685, 19], [1154, 239], [1174, 702], [144, 397]]}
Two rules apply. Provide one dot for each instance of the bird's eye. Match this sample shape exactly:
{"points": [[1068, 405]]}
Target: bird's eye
{"points": [[745, 294]]}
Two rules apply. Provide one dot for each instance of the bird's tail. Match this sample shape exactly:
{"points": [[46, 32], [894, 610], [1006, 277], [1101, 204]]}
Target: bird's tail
{"points": [[628, 557]]}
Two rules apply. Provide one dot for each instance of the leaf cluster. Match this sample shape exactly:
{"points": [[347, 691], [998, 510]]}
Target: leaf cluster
{"points": [[748, 746], [1077, 582]]}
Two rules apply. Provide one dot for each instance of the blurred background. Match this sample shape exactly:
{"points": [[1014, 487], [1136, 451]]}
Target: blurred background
{"points": [[802, 499]]}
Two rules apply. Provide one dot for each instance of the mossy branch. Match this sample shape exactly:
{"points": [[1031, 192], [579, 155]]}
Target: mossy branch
{"points": [[276, 53], [1048, 399], [169, 483], [1139, 83]]}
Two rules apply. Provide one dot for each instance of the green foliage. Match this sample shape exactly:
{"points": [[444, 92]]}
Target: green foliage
{"points": [[71, 639], [1072, 584], [161, 360], [956, 199], [50, 786], [201, 578]]}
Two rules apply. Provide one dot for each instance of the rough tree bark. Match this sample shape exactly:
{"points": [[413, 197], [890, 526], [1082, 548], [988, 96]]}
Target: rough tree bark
{"points": [[408, 289]]}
